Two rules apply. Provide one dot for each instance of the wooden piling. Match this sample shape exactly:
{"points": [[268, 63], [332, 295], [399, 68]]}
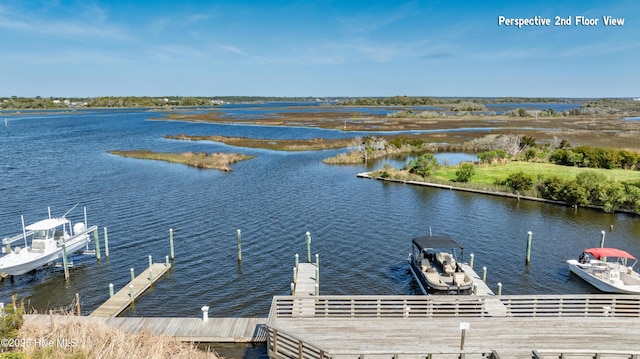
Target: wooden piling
{"points": [[602, 240], [132, 274], [106, 243], [65, 261], [97, 243], [499, 288], [171, 243], [78, 304], [308, 235], [471, 257], [528, 259], [150, 261], [110, 290], [484, 274], [239, 246]]}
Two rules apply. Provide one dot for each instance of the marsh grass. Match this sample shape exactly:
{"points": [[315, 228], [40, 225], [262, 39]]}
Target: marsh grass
{"points": [[94, 339], [313, 144], [220, 161]]}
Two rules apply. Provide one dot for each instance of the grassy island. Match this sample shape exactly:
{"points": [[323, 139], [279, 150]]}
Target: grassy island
{"points": [[579, 176], [220, 161], [313, 144]]}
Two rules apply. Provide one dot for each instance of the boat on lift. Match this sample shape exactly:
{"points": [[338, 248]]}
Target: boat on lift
{"points": [[608, 269], [45, 242]]}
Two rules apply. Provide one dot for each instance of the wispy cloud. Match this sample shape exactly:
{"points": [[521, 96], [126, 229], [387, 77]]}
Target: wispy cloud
{"points": [[39, 24], [233, 49], [367, 22]]}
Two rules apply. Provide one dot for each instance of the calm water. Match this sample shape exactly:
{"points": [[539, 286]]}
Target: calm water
{"points": [[361, 228]]}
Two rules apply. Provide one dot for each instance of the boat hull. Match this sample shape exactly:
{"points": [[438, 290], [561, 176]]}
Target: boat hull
{"points": [[602, 284], [17, 264]]}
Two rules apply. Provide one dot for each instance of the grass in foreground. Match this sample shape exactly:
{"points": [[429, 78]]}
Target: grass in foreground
{"points": [[220, 161], [96, 340]]}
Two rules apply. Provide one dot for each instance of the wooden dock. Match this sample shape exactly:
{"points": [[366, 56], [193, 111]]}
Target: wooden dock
{"points": [[122, 299], [305, 284], [430, 326], [214, 330], [481, 288]]}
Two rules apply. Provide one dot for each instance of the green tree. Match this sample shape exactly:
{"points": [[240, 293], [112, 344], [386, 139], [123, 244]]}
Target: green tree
{"points": [[575, 194], [519, 182], [423, 165], [465, 172]]}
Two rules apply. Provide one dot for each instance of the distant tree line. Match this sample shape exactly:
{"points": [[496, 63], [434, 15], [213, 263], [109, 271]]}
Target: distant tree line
{"points": [[38, 102]]}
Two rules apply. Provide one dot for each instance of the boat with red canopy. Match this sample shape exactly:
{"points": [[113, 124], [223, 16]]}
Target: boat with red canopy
{"points": [[608, 269]]}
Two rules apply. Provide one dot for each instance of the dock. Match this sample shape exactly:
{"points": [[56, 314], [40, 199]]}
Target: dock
{"points": [[305, 285], [122, 299], [214, 330], [551, 326], [481, 288]]}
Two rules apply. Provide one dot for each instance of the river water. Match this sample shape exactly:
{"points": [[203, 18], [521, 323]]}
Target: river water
{"points": [[360, 228]]}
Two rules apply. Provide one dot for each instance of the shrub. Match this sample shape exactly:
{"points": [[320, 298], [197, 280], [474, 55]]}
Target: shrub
{"points": [[519, 182], [466, 171], [423, 165]]}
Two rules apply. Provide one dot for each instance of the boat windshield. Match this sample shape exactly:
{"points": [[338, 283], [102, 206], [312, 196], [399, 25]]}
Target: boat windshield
{"points": [[43, 233]]}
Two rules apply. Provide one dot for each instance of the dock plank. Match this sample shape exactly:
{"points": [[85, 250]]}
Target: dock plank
{"points": [[122, 299], [214, 330]]}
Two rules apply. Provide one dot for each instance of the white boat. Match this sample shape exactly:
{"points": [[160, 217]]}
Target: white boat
{"points": [[435, 265], [44, 243], [607, 269]]}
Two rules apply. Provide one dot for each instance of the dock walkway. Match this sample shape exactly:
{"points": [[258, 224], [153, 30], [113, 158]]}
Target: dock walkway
{"points": [[305, 285], [214, 330], [122, 299]]}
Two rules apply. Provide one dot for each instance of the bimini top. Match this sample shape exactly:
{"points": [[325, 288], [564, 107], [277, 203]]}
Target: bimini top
{"points": [[46, 224], [435, 242], [608, 252]]}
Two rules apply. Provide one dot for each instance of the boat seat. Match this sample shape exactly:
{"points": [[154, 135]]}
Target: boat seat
{"points": [[458, 278], [449, 267], [425, 264], [38, 247], [433, 277]]}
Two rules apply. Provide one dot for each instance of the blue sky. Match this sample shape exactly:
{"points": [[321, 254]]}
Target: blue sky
{"points": [[316, 48]]}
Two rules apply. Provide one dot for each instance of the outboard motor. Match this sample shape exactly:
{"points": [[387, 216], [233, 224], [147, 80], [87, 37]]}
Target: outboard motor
{"points": [[78, 227]]}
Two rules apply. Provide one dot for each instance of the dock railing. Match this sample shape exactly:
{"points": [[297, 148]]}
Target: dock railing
{"points": [[285, 346], [456, 306]]}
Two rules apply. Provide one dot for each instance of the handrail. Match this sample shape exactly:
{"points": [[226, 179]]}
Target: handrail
{"points": [[575, 353], [597, 305], [8, 240], [283, 345]]}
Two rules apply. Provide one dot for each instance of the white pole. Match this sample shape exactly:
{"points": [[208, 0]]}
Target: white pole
{"points": [[205, 313], [24, 232]]}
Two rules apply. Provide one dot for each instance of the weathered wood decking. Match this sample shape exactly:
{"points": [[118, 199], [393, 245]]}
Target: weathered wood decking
{"points": [[415, 327], [122, 299], [214, 330], [305, 285]]}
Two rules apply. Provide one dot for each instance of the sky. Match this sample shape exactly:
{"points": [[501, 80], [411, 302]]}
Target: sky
{"points": [[58, 48]]}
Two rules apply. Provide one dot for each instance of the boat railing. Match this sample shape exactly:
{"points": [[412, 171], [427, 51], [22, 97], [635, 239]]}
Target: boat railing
{"points": [[592, 305], [19, 237]]}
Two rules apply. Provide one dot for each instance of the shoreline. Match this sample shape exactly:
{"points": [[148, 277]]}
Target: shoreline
{"points": [[490, 193]]}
